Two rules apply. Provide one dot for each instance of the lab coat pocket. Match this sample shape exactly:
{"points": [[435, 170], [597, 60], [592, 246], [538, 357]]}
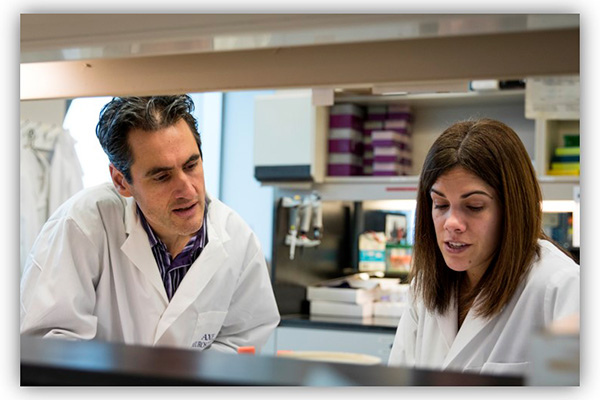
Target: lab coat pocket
{"points": [[515, 369], [207, 327]]}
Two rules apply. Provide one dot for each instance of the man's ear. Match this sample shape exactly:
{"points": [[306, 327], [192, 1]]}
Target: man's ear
{"points": [[119, 181]]}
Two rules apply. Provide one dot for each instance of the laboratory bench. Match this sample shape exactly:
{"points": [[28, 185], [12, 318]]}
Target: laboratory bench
{"points": [[366, 324], [57, 362], [304, 332]]}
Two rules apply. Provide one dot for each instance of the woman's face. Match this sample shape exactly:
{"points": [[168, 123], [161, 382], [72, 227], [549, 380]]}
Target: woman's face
{"points": [[467, 217]]}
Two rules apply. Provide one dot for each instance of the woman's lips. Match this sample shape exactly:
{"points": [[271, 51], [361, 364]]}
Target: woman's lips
{"points": [[455, 247]]}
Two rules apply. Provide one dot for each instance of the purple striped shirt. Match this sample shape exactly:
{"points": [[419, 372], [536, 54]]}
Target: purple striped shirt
{"points": [[172, 270]]}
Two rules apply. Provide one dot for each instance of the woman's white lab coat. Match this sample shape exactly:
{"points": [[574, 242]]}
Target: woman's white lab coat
{"points": [[92, 275], [499, 345]]}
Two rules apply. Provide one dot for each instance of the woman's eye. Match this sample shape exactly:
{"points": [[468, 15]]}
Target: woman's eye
{"points": [[440, 206], [475, 208]]}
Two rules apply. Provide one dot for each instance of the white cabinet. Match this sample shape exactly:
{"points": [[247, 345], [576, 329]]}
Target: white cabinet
{"points": [[288, 139], [376, 344]]}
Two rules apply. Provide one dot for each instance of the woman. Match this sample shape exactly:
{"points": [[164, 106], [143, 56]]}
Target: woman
{"points": [[485, 278]]}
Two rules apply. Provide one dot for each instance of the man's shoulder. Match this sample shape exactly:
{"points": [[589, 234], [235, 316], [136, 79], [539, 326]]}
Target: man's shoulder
{"points": [[225, 219], [219, 211], [91, 201]]}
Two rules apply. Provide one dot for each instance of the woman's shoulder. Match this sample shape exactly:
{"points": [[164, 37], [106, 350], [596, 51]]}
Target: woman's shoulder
{"points": [[553, 267]]}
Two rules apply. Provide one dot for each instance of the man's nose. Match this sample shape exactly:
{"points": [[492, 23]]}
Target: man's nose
{"points": [[184, 186]]}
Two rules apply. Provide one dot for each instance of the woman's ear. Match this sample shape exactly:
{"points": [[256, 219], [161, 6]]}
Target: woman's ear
{"points": [[119, 181]]}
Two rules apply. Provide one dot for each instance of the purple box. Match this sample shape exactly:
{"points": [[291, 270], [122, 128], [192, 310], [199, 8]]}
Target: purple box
{"points": [[343, 170], [345, 121], [401, 131], [345, 146], [385, 143], [390, 143], [386, 173], [377, 117], [387, 158]]}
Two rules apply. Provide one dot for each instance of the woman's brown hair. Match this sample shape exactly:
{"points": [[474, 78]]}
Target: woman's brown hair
{"points": [[492, 151]]}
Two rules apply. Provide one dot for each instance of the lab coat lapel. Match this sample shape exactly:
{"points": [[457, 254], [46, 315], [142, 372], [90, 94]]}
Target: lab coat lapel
{"points": [[448, 324], [137, 248], [212, 258], [468, 332]]}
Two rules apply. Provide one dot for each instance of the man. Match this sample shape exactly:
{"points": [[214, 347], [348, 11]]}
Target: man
{"points": [[150, 259]]}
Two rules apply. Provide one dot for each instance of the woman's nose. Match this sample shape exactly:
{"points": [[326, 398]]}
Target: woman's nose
{"points": [[454, 222]]}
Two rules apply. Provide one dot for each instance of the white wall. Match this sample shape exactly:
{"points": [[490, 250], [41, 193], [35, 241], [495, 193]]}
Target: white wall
{"points": [[50, 111], [239, 189]]}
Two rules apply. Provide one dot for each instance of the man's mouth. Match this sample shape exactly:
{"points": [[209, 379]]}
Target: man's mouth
{"points": [[186, 210]]}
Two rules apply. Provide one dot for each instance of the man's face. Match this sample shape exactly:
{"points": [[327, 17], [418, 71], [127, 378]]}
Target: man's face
{"points": [[167, 182]]}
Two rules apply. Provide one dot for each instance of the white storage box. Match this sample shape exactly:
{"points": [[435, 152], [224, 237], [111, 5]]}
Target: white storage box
{"points": [[389, 308], [337, 308], [343, 295]]}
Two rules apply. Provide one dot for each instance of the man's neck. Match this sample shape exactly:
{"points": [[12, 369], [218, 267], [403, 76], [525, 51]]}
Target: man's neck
{"points": [[177, 244]]}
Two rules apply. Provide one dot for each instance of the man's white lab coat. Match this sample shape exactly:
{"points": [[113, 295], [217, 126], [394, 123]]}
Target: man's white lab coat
{"points": [[92, 275], [499, 345]]}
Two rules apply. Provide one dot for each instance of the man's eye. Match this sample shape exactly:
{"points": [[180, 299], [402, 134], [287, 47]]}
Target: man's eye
{"points": [[161, 178], [191, 166]]}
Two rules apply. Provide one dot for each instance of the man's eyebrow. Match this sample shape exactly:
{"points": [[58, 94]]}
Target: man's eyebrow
{"points": [[464, 196], [193, 157], [158, 170]]}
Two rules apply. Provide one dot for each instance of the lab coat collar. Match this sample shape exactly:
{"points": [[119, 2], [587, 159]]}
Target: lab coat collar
{"points": [[139, 252], [448, 323], [212, 258], [137, 248], [471, 327]]}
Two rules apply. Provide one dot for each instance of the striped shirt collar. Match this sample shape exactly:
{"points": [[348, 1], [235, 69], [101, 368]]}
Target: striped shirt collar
{"points": [[172, 270]]}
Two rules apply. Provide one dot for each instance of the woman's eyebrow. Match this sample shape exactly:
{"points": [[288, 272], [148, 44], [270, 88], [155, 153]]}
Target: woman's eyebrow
{"points": [[464, 196], [438, 192]]}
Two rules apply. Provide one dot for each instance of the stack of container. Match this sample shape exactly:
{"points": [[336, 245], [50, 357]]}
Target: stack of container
{"points": [[345, 140], [343, 297], [389, 128], [566, 159], [376, 116]]}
